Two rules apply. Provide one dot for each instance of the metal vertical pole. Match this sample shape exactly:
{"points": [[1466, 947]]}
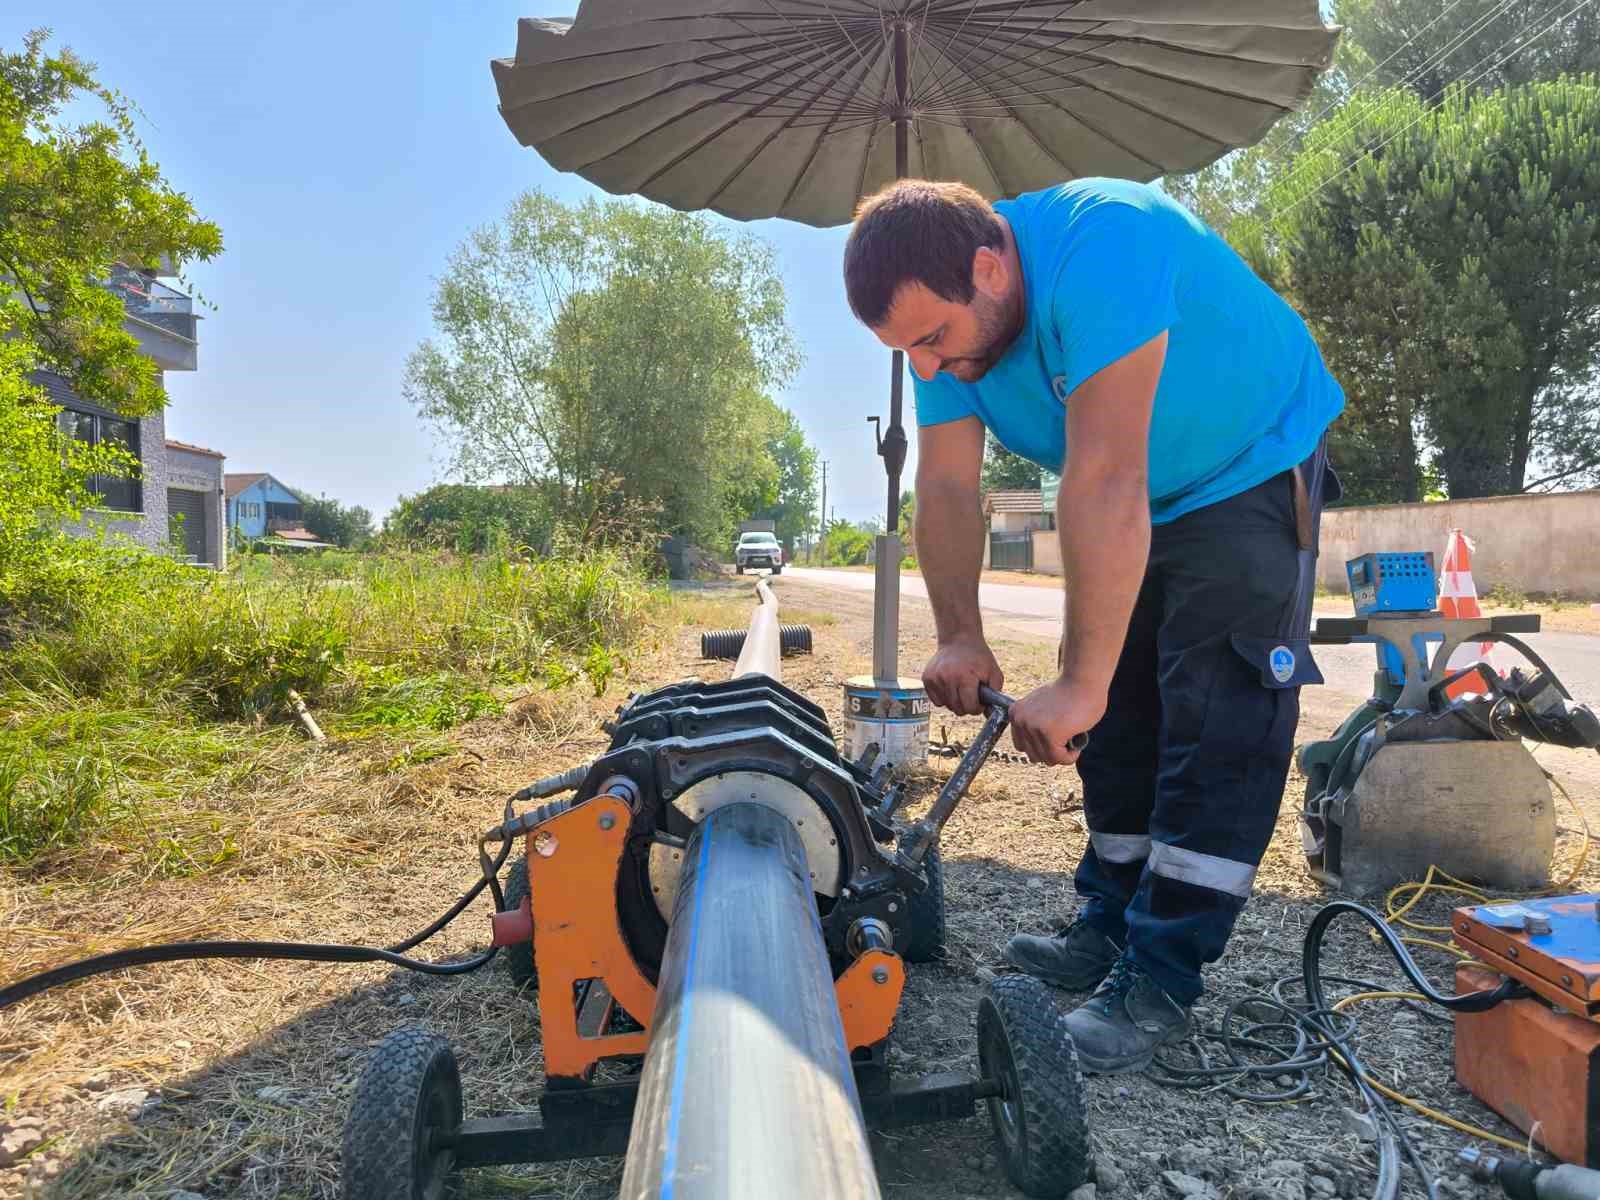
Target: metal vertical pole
{"points": [[822, 513], [893, 448], [886, 609], [886, 582]]}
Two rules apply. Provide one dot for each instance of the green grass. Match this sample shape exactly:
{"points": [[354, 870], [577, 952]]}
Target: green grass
{"points": [[162, 678], [68, 765]]}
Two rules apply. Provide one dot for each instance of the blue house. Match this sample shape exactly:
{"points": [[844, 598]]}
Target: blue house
{"points": [[259, 505]]}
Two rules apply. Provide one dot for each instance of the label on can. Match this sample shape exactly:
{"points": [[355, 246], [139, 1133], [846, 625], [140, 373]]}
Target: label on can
{"points": [[896, 719]]}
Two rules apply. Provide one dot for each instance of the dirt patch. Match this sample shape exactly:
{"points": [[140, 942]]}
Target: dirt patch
{"points": [[233, 1079]]}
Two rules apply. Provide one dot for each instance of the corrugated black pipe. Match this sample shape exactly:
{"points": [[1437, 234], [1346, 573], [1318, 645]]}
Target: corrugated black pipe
{"points": [[727, 643]]}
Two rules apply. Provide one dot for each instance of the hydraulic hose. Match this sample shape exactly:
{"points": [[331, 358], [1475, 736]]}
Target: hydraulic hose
{"points": [[138, 956], [1311, 964]]}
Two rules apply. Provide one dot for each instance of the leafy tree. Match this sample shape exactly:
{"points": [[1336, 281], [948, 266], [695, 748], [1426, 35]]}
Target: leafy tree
{"points": [[74, 200], [1426, 45], [1452, 275], [1003, 470], [349, 528], [793, 511], [622, 354], [471, 519], [846, 545], [1235, 186]]}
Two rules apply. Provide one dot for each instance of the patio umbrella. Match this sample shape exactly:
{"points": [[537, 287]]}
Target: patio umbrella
{"points": [[798, 108]]}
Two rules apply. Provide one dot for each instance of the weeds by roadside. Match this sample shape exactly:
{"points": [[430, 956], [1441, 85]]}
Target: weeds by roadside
{"points": [[160, 680]]}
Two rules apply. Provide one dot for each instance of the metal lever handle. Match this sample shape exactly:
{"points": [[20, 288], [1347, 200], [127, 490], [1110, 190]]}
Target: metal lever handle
{"points": [[993, 699], [926, 832]]}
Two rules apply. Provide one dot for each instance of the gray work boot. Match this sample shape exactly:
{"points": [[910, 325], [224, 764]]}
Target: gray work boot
{"points": [[1076, 959], [1129, 1017]]}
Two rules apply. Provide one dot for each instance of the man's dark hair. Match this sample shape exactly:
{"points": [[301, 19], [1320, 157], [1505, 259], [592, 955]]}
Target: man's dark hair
{"points": [[916, 231]]}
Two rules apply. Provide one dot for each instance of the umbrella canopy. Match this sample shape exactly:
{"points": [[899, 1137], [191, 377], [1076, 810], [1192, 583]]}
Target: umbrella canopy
{"points": [[797, 108]]}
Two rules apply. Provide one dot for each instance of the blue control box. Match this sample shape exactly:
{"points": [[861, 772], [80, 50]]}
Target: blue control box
{"points": [[1393, 583]]}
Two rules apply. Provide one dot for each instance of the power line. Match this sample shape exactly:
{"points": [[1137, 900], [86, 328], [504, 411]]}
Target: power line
{"points": [[1356, 86], [1365, 154], [1433, 59]]}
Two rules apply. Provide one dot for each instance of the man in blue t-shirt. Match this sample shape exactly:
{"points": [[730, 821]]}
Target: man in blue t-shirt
{"points": [[1100, 330]]}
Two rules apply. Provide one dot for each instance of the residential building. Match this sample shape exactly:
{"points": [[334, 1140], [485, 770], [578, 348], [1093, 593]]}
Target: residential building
{"points": [[173, 477], [1013, 517], [195, 503], [261, 508]]}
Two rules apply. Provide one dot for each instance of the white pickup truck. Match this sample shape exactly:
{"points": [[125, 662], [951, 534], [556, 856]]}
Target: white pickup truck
{"points": [[758, 550]]}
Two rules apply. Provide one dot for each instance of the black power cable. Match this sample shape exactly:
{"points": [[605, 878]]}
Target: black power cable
{"points": [[139, 956], [1265, 1037]]}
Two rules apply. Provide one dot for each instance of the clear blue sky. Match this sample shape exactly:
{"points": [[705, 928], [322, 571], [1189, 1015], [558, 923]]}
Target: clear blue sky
{"points": [[345, 149]]}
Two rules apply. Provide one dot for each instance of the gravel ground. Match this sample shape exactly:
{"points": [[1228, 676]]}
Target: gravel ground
{"points": [[220, 1080]]}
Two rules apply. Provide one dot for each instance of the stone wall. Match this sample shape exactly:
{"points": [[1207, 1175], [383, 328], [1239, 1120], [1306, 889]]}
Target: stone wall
{"points": [[1543, 544]]}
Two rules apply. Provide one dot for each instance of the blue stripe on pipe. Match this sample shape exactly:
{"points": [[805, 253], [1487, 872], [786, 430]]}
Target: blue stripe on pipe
{"points": [[680, 1063]]}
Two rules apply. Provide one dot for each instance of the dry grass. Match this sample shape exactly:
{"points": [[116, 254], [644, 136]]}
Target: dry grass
{"points": [[251, 1065]]}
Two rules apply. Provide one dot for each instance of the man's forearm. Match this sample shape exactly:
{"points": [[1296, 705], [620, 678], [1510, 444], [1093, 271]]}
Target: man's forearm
{"points": [[949, 537], [1105, 544]]}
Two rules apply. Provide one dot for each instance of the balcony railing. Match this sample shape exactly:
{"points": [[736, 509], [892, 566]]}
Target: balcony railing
{"points": [[153, 301], [274, 524]]}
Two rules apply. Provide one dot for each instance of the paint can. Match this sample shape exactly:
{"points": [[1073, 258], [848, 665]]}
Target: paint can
{"points": [[892, 713]]}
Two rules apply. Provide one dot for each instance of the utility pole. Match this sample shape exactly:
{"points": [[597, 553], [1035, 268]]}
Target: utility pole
{"points": [[822, 513]]}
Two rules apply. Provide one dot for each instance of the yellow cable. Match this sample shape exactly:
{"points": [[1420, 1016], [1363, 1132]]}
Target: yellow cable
{"points": [[1417, 1105], [1588, 837], [1360, 996], [1396, 915], [1433, 945], [1396, 911], [1444, 1119]]}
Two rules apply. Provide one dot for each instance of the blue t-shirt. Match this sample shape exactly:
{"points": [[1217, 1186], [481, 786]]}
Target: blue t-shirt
{"points": [[1107, 265]]}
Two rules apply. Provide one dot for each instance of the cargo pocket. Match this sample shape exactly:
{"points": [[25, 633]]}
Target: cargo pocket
{"points": [[1282, 662]]}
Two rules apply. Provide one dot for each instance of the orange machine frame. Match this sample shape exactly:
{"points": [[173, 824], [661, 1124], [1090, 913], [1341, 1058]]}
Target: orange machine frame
{"points": [[573, 860]]}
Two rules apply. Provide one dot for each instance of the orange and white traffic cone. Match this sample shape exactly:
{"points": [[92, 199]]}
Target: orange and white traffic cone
{"points": [[1458, 598]]}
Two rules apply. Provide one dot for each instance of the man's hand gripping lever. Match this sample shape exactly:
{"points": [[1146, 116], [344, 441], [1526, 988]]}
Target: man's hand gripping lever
{"points": [[925, 833]]}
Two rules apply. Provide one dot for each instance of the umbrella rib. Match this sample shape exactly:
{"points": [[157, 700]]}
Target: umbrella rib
{"points": [[1104, 60], [971, 75], [834, 17], [955, 67], [706, 61], [789, 21], [872, 140], [822, 135], [1086, 83], [1035, 139], [954, 94], [983, 153], [988, 163], [652, 98], [843, 66]]}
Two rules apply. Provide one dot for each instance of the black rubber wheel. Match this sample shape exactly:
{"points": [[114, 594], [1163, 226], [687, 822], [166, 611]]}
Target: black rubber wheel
{"points": [[737, 569], [924, 941], [1040, 1121], [519, 958], [777, 570], [409, 1093]]}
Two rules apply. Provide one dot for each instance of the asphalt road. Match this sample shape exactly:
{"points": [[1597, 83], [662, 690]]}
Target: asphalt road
{"points": [[1021, 610]]}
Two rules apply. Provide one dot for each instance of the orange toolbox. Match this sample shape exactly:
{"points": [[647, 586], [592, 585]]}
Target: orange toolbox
{"points": [[1536, 1061]]}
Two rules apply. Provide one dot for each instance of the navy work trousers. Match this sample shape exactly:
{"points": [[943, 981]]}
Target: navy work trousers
{"points": [[1184, 775]]}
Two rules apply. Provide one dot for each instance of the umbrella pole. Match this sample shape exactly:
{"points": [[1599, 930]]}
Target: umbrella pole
{"points": [[885, 599], [886, 581]]}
